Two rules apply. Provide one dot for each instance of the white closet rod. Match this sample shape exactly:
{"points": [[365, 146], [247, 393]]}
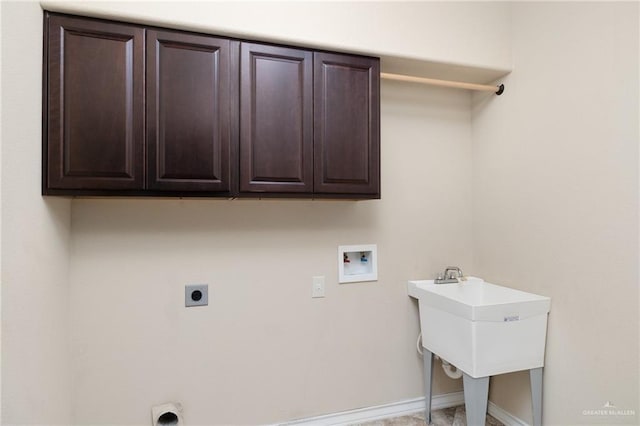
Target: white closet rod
{"points": [[445, 83]]}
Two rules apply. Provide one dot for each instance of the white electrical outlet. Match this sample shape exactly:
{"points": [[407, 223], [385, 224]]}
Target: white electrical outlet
{"points": [[317, 289]]}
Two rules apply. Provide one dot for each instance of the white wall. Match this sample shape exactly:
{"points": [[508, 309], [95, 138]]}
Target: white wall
{"points": [[0, 217], [464, 40], [556, 201], [35, 240], [263, 350]]}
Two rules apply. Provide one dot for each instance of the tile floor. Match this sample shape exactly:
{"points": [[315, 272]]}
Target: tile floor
{"points": [[454, 416]]}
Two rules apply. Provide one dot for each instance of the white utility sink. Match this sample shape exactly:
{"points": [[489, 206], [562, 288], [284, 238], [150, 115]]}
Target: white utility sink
{"points": [[483, 329]]}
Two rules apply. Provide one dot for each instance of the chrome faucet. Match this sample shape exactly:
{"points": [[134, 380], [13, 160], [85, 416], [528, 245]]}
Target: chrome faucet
{"points": [[452, 274]]}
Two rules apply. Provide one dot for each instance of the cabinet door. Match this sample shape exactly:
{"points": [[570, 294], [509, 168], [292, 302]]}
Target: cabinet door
{"points": [[346, 125], [188, 112], [276, 130], [95, 103]]}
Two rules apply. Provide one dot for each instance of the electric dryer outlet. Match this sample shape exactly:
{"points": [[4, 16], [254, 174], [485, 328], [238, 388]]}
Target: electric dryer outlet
{"points": [[196, 295]]}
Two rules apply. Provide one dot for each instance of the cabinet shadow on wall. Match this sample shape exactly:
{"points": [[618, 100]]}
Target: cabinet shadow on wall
{"points": [[181, 217]]}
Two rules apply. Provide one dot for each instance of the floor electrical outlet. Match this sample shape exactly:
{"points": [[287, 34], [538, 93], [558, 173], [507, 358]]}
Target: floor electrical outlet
{"points": [[317, 289]]}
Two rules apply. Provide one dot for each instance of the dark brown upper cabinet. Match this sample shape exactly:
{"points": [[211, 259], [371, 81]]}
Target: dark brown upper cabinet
{"points": [[145, 111], [346, 125], [95, 98], [190, 86], [276, 119]]}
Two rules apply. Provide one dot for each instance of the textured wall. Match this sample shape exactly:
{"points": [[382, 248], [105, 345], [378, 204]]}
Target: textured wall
{"points": [[455, 33], [35, 240], [555, 187], [264, 350]]}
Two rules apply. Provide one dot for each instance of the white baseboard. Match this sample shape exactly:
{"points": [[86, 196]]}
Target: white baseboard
{"points": [[401, 408], [504, 416], [367, 414]]}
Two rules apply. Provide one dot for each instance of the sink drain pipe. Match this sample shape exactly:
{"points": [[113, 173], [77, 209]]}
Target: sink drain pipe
{"points": [[450, 370]]}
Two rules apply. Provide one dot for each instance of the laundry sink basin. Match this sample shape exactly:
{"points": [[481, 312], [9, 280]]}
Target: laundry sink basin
{"points": [[483, 329]]}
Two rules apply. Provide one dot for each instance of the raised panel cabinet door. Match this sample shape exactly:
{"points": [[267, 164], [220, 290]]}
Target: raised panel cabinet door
{"points": [[188, 112], [95, 105], [346, 125], [276, 127]]}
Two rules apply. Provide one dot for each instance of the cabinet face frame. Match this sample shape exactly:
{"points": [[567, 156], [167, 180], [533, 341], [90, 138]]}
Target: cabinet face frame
{"points": [[114, 161], [346, 109], [200, 137], [276, 141]]}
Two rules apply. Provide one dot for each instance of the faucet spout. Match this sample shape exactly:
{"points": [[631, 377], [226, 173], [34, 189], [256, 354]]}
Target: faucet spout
{"points": [[452, 274]]}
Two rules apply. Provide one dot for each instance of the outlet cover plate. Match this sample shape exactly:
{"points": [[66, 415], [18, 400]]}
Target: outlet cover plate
{"points": [[196, 295]]}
